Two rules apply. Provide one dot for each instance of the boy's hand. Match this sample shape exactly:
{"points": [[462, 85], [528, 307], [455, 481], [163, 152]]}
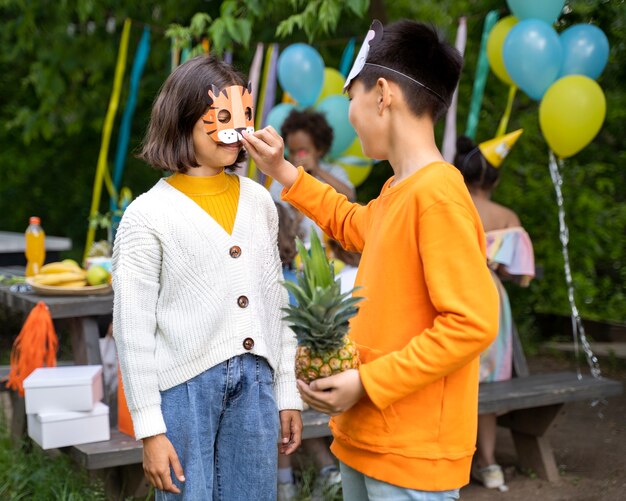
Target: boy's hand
{"points": [[158, 455], [334, 394], [290, 431], [266, 148]]}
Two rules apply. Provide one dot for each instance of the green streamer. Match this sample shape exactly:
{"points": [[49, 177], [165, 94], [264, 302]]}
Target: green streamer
{"points": [[482, 70]]}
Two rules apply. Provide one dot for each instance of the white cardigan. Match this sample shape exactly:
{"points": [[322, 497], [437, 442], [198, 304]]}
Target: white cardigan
{"points": [[178, 307]]}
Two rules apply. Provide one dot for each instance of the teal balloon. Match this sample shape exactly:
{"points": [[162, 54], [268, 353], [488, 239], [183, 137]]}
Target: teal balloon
{"points": [[546, 10], [277, 115], [335, 108], [301, 73], [532, 56], [585, 51]]}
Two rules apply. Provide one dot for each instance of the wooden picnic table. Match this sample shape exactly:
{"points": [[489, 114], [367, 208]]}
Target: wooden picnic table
{"points": [[78, 313], [12, 246]]}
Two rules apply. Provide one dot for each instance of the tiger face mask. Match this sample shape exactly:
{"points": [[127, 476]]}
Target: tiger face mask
{"points": [[230, 113]]}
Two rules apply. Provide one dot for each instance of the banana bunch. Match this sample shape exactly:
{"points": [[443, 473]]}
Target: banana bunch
{"points": [[65, 273]]}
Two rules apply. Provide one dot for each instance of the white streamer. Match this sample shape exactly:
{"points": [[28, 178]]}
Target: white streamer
{"points": [[578, 330]]}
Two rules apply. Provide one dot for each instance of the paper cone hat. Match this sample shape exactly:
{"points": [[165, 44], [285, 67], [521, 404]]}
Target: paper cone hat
{"points": [[495, 150]]}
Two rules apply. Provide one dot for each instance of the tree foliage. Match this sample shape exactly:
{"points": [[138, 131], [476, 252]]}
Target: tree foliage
{"points": [[56, 71]]}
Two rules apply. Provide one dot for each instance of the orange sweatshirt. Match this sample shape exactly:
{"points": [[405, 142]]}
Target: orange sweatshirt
{"points": [[430, 309], [218, 195]]}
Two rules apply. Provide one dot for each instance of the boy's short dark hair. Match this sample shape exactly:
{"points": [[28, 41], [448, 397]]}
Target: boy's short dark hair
{"points": [[476, 170], [314, 124], [420, 52], [181, 101]]}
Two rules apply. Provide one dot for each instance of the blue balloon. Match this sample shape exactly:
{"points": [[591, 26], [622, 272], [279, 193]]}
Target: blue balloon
{"points": [[301, 73], [546, 10], [585, 51], [532, 55], [277, 115], [335, 108]]}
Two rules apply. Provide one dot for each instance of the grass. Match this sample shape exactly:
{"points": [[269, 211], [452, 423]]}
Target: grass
{"points": [[28, 473], [306, 484]]}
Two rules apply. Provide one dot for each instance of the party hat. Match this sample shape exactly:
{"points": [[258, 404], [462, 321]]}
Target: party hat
{"points": [[495, 150]]}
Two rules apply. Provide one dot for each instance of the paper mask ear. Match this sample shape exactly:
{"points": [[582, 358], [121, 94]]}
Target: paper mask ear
{"points": [[373, 36], [213, 94]]}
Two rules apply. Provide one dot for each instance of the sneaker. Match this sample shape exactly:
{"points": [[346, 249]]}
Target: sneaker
{"points": [[287, 492], [490, 476], [327, 484]]}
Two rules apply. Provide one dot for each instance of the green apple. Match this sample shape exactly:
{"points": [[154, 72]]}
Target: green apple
{"points": [[97, 275]]}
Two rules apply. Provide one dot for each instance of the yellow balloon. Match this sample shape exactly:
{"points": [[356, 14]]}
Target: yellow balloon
{"points": [[333, 83], [357, 173], [571, 114], [494, 47], [355, 163]]}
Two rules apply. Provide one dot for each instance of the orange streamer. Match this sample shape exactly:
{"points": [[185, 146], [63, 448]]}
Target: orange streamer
{"points": [[35, 346]]}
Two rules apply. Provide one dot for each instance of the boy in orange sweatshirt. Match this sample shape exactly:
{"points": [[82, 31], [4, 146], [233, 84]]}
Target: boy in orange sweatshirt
{"points": [[405, 422]]}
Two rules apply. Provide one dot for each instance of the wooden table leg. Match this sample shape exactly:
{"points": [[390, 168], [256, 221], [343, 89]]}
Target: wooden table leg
{"points": [[85, 340], [18, 417], [534, 452]]}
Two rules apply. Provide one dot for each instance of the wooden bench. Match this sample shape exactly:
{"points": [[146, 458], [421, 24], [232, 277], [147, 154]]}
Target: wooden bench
{"points": [[527, 405], [119, 459]]}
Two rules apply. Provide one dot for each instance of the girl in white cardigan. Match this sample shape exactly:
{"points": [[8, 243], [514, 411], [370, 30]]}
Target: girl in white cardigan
{"points": [[206, 360]]}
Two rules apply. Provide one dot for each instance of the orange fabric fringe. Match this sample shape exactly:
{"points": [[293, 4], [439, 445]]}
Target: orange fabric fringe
{"points": [[35, 346]]}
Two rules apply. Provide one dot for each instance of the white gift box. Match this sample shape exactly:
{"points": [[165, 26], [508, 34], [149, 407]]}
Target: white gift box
{"points": [[62, 389], [61, 429]]}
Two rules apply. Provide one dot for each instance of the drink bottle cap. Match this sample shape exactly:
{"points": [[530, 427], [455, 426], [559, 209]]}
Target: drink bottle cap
{"points": [[34, 220]]}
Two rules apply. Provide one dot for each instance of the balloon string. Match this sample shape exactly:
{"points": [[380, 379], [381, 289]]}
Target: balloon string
{"points": [[578, 330], [504, 121]]}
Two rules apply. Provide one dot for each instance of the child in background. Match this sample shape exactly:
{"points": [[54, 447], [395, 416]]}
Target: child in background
{"points": [[206, 359], [510, 256], [404, 423], [308, 138], [317, 448], [349, 262]]}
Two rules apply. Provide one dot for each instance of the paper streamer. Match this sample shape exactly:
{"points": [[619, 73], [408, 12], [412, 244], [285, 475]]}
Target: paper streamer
{"points": [[347, 57], [139, 63], [449, 135], [174, 56], [254, 75], [578, 330], [271, 59], [107, 128], [504, 121], [269, 91], [482, 71]]}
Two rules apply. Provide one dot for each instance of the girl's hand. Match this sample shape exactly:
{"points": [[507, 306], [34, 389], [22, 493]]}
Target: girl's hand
{"points": [[267, 150], [158, 455], [290, 431]]}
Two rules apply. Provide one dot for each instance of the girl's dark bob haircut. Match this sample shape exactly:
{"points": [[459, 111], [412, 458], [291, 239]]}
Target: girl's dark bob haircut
{"points": [[181, 102]]}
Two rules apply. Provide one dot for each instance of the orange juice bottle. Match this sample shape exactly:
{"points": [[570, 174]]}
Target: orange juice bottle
{"points": [[35, 246]]}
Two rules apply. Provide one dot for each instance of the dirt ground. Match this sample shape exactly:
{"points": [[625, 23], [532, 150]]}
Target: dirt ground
{"points": [[589, 444]]}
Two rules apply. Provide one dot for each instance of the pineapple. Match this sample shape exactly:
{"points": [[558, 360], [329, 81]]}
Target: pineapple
{"points": [[320, 319]]}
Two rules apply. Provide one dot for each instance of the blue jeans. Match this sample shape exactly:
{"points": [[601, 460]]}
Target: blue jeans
{"points": [[224, 426], [359, 487]]}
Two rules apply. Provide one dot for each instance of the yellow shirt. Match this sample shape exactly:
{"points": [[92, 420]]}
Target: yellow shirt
{"points": [[218, 195], [430, 309]]}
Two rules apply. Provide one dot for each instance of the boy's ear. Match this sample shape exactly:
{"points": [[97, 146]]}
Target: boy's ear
{"points": [[383, 92]]}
